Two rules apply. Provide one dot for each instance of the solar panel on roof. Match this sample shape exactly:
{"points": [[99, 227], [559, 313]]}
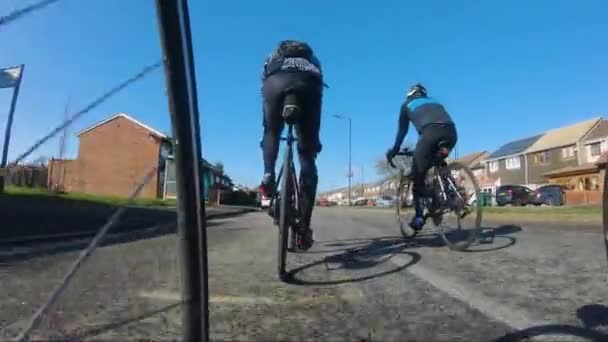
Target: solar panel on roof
{"points": [[515, 147]]}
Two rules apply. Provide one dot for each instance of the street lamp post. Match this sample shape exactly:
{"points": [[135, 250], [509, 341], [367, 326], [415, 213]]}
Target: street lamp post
{"points": [[350, 170]]}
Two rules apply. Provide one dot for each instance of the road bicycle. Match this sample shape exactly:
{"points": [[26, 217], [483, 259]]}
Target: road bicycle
{"points": [[284, 206], [447, 196]]}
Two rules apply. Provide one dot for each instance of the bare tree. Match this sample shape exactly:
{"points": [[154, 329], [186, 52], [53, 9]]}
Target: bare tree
{"points": [[401, 163], [220, 167], [40, 161]]}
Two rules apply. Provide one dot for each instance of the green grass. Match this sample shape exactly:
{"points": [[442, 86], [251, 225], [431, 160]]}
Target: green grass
{"points": [[564, 210], [563, 213], [110, 200]]}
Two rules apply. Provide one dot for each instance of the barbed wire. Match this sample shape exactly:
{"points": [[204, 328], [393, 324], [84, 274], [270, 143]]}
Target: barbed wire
{"points": [[33, 322], [88, 108], [20, 13]]}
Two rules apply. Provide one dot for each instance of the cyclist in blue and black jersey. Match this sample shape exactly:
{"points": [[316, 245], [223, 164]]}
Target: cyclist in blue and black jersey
{"points": [[434, 125]]}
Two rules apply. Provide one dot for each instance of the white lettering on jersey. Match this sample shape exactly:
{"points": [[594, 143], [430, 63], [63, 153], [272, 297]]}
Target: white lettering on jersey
{"points": [[301, 64]]}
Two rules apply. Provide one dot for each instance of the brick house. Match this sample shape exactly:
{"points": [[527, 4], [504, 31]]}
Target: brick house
{"points": [[504, 166], [586, 175], [558, 149], [595, 144], [115, 154], [532, 160], [113, 157]]}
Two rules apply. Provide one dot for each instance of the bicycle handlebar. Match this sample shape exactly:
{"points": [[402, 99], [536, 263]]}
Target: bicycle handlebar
{"points": [[405, 152]]}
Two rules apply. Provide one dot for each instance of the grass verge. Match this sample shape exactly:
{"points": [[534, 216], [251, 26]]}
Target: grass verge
{"points": [[110, 200], [570, 214]]}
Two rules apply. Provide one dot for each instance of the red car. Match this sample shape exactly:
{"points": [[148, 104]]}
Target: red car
{"points": [[323, 203]]}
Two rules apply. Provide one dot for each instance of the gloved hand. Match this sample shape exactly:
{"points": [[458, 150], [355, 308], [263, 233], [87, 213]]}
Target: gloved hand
{"points": [[390, 154]]}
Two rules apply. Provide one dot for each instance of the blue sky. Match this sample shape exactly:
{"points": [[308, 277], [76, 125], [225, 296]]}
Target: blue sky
{"points": [[504, 70]]}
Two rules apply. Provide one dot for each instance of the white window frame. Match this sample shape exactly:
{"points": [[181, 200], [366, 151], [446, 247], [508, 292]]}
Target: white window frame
{"points": [[542, 158], [568, 152], [513, 163], [599, 146], [493, 166]]}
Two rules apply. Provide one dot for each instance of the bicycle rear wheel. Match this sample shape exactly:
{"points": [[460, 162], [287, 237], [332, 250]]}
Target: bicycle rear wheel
{"points": [[459, 211], [285, 206]]}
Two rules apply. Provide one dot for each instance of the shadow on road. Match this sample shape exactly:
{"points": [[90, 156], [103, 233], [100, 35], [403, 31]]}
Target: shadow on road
{"points": [[494, 239], [29, 250], [359, 255], [334, 246], [591, 316], [489, 239], [32, 216], [81, 333], [21, 251], [552, 330]]}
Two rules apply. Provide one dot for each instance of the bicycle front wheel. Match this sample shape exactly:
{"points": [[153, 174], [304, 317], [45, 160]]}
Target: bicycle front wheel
{"points": [[460, 226], [405, 206], [285, 206]]}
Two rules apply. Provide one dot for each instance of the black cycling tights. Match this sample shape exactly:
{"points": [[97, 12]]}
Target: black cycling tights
{"points": [[424, 155], [310, 94]]}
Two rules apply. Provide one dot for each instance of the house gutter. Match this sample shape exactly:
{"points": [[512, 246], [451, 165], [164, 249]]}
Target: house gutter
{"points": [[502, 157], [526, 168]]}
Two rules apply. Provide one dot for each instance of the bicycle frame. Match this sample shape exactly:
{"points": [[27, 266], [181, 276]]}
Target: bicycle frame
{"points": [[290, 139]]}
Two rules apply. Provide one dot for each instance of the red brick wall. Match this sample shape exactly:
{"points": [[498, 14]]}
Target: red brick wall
{"points": [[63, 175], [114, 157]]}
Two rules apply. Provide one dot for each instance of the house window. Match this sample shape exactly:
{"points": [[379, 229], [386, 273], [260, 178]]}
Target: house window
{"points": [[542, 157], [494, 166], [568, 152], [595, 149], [513, 163]]}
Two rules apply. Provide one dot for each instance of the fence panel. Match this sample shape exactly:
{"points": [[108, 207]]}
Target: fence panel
{"points": [[576, 197], [27, 176]]}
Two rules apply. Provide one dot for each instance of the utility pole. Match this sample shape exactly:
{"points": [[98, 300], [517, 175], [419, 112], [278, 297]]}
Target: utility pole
{"points": [[350, 169], [362, 180], [59, 186], [9, 124]]}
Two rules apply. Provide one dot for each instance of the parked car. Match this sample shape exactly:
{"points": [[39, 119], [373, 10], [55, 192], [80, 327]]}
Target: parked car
{"points": [[549, 195], [264, 202], [514, 194], [385, 201], [343, 203], [323, 203], [360, 201]]}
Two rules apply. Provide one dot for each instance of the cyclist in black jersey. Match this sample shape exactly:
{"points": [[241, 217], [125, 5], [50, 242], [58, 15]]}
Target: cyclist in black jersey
{"points": [[293, 65], [434, 125]]}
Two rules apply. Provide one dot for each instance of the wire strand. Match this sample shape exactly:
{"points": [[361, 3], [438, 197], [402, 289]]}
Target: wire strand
{"points": [[90, 107], [20, 13]]}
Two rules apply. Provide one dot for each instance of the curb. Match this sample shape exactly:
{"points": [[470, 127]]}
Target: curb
{"points": [[47, 244]]}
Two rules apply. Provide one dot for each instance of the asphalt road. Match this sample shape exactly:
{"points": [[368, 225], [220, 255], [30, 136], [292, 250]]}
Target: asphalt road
{"points": [[359, 281]]}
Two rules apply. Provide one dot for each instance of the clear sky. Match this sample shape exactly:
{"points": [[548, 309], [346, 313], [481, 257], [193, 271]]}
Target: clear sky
{"points": [[504, 70]]}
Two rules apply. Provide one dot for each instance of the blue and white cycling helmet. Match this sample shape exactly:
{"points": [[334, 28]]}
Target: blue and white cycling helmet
{"points": [[417, 90]]}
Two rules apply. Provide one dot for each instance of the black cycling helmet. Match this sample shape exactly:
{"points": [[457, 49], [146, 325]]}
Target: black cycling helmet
{"points": [[294, 48], [417, 90]]}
